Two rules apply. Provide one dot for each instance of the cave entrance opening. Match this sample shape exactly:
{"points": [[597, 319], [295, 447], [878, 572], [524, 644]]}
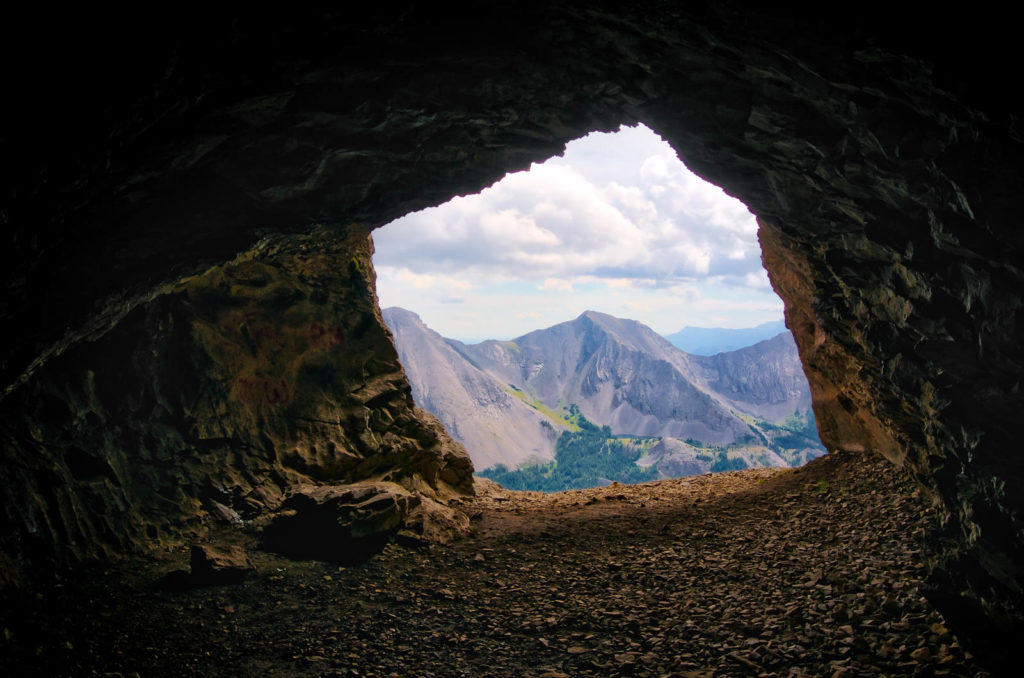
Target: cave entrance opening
{"points": [[540, 320]]}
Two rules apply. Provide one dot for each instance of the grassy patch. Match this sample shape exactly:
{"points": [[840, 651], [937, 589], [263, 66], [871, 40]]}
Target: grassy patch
{"points": [[821, 487], [561, 418], [583, 458], [512, 346], [795, 438]]}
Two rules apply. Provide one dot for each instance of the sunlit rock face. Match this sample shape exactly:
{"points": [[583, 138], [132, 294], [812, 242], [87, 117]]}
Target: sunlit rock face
{"points": [[885, 167]]}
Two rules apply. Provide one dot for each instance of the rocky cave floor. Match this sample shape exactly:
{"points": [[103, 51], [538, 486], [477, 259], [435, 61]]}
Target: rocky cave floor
{"points": [[804, 572]]}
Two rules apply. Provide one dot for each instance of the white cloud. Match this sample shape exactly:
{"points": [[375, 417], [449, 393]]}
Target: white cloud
{"points": [[406, 277], [561, 284], [758, 279], [655, 169], [617, 212]]}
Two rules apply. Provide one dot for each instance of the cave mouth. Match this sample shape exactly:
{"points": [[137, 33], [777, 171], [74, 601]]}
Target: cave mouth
{"points": [[619, 234], [882, 157]]}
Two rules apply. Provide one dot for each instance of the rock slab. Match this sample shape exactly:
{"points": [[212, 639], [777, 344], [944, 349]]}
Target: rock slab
{"points": [[338, 523], [211, 564]]}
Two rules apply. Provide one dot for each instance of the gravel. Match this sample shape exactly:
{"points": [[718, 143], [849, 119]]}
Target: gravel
{"points": [[771, 572]]}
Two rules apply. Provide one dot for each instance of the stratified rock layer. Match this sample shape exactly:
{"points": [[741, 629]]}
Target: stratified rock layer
{"points": [[880, 151]]}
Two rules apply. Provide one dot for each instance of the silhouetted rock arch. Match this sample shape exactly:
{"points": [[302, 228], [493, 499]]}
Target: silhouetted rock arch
{"points": [[156, 178]]}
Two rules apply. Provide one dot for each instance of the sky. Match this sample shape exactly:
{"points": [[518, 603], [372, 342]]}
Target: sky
{"points": [[616, 224]]}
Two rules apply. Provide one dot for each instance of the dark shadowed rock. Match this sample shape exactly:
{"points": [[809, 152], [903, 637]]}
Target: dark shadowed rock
{"points": [[659, 579], [213, 564], [338, 523], [213, 401], [430, 522]]}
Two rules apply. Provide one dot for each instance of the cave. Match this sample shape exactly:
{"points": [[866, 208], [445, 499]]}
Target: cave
{"points": [[189, 322]]}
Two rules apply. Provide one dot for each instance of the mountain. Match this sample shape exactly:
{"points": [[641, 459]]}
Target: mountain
{"points": [[619, 372], [765, 380], [508, 401], [712, 340], [478, 410]]}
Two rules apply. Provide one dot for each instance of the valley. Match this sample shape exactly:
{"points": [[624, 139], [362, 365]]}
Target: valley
{"points": [[588, 455], [630, 405]]}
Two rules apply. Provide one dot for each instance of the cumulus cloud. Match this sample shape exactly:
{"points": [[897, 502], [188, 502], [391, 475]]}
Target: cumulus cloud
{"points": [[650, 218], [617, 211], [408, 278]]}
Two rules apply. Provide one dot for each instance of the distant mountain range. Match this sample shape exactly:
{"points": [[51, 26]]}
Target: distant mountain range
{"points": [[508, 401], [495, 423], [712, 340]]}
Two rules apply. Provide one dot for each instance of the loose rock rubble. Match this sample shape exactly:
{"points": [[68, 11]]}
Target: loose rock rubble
{"points": [[338, 523], [213, 565], [769, 572]]}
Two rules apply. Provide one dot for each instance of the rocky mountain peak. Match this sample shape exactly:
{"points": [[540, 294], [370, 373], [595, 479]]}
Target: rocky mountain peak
{"points": [[617, 371], [632, 334], [399, 314]]}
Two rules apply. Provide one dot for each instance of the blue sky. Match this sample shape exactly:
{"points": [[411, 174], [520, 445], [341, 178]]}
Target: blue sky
{"points": [[616, 224]]}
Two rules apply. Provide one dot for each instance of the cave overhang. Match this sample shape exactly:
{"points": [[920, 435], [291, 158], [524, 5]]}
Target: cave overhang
{"points": [[884, 166]]}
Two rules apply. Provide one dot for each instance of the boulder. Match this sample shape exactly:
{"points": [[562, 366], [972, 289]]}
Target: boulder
{"points": [[219, 564], [432, 522], [338, 523]]}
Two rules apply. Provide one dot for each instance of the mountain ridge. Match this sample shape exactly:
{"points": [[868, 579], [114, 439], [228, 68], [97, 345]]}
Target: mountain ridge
{"points": [[618, 372], [711, 340], [474, 408]]}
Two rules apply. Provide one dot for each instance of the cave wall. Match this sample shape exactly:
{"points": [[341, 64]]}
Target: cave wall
{"points": [[213, 401], [881, 156]]}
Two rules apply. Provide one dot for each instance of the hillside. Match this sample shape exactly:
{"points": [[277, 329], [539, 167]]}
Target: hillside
{"points": [[588, 457], [493, 423], [619, 372], [508, 401], [765, 380]]}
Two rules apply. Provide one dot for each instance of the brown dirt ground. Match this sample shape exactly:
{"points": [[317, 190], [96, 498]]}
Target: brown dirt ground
{"points": [[806, 572]]}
